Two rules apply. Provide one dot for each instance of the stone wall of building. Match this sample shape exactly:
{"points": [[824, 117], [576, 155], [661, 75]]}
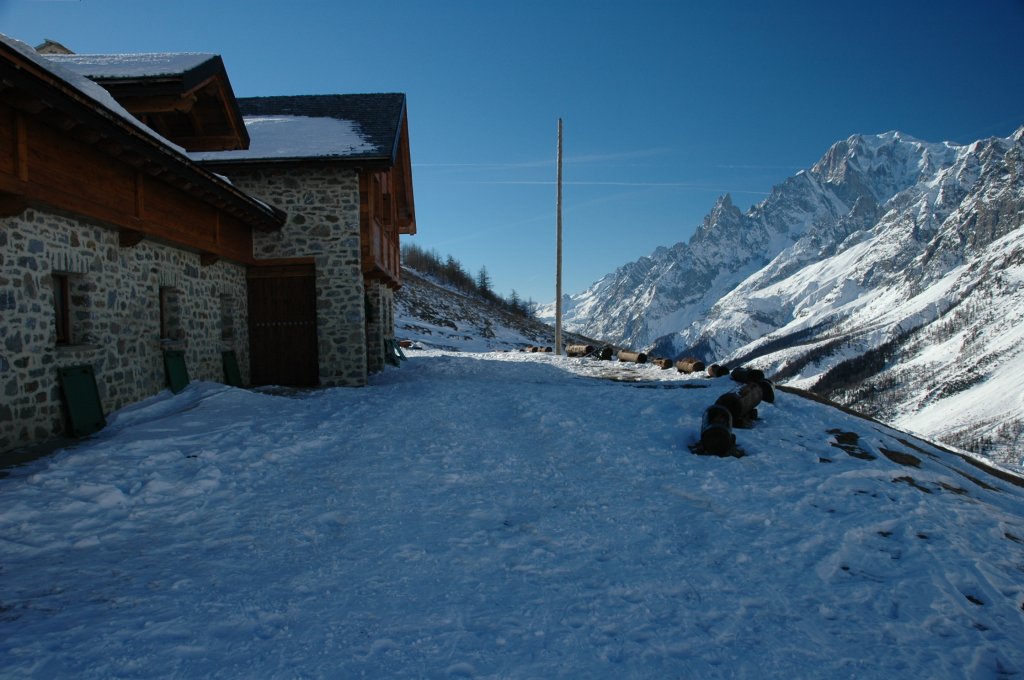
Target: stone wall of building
{"points": [[115, 325], [380, 309], [323, 222]]}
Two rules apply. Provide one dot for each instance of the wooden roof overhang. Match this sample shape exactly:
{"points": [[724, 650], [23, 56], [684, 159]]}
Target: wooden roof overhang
{"points": [[60, 148], [403, 177], [195, 108]]}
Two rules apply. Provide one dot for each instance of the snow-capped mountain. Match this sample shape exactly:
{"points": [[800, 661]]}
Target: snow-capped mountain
{"points": [[887, 276]]}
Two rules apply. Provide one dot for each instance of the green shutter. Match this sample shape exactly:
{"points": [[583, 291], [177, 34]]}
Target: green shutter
{"points": [[177, 373], [85, 411], [232, 376]]}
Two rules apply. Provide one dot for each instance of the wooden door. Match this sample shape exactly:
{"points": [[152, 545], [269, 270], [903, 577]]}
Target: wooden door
{"points": [[282, 325]]}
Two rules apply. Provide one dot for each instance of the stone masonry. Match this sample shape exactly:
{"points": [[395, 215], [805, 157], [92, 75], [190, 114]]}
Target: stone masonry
{"points": [[115, 321], [380, 326], [323, 222]]}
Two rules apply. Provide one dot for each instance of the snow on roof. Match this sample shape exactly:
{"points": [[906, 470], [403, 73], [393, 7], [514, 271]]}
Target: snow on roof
{"points": [[84, 86], [280, 137], [146, 65]]}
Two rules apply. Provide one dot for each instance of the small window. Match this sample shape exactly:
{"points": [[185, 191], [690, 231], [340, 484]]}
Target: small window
{"points": [[62, 308], [170, 314]]}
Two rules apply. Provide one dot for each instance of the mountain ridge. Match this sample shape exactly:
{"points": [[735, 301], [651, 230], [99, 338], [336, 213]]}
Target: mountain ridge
{"points": [[853, 260]]}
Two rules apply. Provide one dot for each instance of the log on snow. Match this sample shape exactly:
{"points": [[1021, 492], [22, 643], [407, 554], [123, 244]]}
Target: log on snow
{"points": [[689, 365], [747, 375], [716, 435], [635, 357], [717, 371], [579, 350]]}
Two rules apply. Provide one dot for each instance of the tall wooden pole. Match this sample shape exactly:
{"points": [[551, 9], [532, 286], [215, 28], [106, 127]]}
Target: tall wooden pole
{"points": [[558, 249]]}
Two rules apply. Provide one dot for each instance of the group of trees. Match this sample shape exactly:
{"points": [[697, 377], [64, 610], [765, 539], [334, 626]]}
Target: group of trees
{"points": [[449, 272]]}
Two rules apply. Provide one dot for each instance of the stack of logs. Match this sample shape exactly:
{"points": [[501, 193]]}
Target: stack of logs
{"points": [[604, 354], [733, 409], [694, 365], [686, 365]]}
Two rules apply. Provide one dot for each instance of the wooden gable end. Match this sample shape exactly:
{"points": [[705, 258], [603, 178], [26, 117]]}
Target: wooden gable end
{"points": [[405, 206], [386, 211], [378, 227], [63, 152], [186, 98], [202, 117]]}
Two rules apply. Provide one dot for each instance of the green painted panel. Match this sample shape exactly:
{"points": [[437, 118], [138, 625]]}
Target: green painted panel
{"points": [[85, 411], [177, 372], [393, 354], [232, 376]]}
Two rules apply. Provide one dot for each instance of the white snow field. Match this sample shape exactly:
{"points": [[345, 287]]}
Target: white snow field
{"points": [[504, 515]]}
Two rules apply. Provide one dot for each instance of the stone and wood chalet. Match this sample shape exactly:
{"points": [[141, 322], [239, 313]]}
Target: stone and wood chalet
{"points": [[146, 212]]}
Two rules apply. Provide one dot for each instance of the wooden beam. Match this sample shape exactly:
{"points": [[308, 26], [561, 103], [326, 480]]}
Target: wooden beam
{"points": [[12, 204], [164, 104], [208, 142], [109, 146], [207, 259], [140, 195], [128, 238], [22, 142], [23, 101], [134, 158], [86, 134], [283, 262]]}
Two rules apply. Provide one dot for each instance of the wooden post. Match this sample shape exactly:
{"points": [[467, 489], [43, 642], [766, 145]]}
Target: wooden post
{"points": [[558, 248]]}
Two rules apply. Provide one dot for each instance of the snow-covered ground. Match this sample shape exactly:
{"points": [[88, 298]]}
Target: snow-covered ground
{"points": [[505, 515]]}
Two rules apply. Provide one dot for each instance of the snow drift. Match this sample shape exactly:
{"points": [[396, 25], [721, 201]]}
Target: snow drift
{"points": [[505, 515]]}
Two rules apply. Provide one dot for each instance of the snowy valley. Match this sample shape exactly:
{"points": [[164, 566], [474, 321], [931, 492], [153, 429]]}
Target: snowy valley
{"points": [[505, 515], [888, 277], [483, 512]]}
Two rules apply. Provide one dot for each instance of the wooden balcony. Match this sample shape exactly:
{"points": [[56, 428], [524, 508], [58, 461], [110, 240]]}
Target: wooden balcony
{"points": [[378, 229], [380, 255]]}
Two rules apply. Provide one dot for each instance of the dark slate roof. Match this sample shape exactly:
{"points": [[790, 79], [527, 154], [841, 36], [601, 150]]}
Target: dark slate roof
{"points": [[378, 117], [192, 68]]}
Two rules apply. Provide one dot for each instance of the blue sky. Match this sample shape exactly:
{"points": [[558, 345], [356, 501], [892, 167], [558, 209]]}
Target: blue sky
{"points": [[666, 105]]}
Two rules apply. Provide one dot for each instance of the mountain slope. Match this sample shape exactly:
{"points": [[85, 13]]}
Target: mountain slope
{"points": [[847, 279], [443, 318]]}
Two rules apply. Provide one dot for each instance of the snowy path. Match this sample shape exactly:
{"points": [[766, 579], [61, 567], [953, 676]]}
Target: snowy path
{"points": [[497, 516]]}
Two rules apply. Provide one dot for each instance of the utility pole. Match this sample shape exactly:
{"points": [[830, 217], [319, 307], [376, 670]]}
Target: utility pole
{"points": [[558, 249]]}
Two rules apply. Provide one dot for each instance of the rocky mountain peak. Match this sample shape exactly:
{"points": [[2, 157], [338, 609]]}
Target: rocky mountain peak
{"points": [[884, 248]]}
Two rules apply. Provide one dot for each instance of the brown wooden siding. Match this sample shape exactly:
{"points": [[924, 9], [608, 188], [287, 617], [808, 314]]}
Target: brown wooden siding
{"points": [[378, 230], [8, 142], [78, 172], [42, 166]]}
